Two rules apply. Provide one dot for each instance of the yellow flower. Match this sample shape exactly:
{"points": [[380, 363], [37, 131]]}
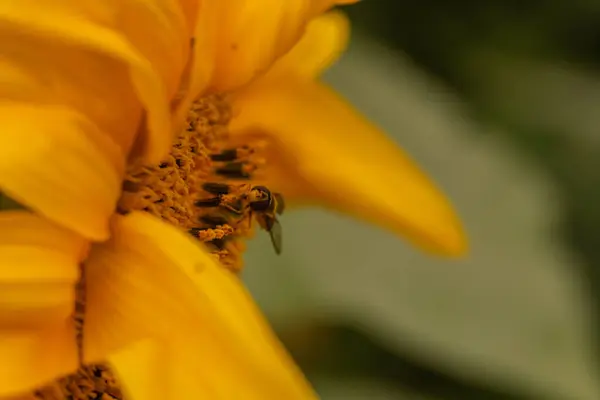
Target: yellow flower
{"points": [[89, 92]]}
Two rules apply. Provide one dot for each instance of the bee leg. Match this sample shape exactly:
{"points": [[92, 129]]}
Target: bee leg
{"points": [[234, 208]]}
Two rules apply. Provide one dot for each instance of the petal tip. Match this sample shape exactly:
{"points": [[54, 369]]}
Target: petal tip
{"points": [[450, 241], [456, 245]]}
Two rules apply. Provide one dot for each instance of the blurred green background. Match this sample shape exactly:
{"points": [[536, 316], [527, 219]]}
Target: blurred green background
{"points": [[498, 101]]}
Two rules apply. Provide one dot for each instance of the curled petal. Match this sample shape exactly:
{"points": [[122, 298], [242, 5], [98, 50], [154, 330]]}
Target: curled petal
{"points": [[152, 287], [244, 38], [107, 60], [325, 152], [162, 32], [38, 272], [325, 39], [57, 162]]}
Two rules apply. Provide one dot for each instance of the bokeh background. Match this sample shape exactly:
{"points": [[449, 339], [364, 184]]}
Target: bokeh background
{"points": [[498, 100]]}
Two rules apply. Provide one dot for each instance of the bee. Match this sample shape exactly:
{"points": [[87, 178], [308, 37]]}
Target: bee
{"points": [[266, 205], [263, 204]]}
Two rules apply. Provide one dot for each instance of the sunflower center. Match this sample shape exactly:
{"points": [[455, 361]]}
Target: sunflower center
{"points": [[203, 184], [202, 187]]}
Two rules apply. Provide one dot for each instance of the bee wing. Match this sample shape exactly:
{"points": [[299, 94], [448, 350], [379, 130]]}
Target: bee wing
{"points": [[280, 203], [275, 233]]}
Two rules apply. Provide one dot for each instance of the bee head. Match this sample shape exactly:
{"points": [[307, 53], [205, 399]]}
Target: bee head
{"points": [[260, 198]]}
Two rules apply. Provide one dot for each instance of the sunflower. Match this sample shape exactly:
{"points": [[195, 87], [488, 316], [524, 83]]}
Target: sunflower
{"points": [[140, 137]]}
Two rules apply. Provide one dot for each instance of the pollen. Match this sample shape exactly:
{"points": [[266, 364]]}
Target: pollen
{"points": [[90, 382], [200, 187]]}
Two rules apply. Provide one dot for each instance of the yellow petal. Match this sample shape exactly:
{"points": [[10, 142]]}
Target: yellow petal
{"points": [[38, 268], [162, 32], [244, 38], [325, 39], [152, 282], [30, 359], [38, 271], [140, 368], [106, 59], [325, 152], [322, 5], [56, 162]]}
